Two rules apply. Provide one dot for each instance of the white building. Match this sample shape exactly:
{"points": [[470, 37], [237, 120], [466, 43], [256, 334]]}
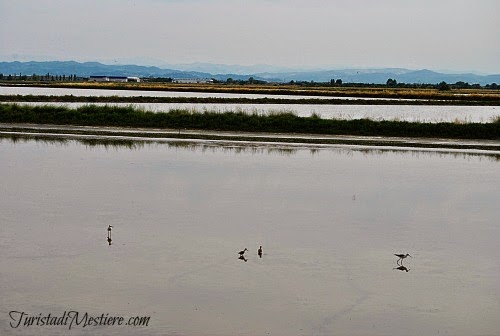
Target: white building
{"points": [[121, 79]]}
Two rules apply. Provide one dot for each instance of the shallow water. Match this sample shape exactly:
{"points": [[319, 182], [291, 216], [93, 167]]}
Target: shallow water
{"points": [[329, 221], [26, 90]]}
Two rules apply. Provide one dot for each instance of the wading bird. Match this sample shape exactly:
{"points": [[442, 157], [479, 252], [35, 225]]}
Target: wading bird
{"points": [[259, 252], [243, 252], [401, 257]]}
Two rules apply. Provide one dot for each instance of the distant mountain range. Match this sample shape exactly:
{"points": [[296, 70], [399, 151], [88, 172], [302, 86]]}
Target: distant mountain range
{"points": [[223, 72]]}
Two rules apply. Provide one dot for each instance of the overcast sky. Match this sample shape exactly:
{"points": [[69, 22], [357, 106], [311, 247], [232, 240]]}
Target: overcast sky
{"points": [[453, 35]]}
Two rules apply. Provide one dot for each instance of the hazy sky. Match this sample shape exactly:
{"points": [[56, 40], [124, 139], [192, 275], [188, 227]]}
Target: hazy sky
{"points": [[457, 35]]}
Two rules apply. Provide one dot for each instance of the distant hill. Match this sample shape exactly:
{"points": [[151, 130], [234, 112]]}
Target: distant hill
{"points": [[86, 69], [234, 69], [377, 76], [380, 76]]}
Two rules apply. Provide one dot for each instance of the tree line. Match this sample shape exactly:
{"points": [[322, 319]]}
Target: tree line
{"points": [[443, 86], [391, 83], [37, 77]]}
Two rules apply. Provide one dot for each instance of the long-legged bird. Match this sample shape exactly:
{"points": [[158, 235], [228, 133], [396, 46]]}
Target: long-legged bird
{"points": [[401, 257]]}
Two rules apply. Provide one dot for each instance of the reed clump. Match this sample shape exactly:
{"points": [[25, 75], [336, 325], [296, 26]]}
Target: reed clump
{"points": [[284, 122]]}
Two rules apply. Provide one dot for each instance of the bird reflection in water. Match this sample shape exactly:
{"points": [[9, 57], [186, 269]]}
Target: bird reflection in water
{"points": [[402, 268], [109, 241], [242, 254]]}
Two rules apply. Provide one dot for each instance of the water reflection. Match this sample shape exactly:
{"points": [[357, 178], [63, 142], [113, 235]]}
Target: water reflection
{"points": [[326, 248], [242, 255], [402, 268], [242, 147], [138, 144], [23, 138]]}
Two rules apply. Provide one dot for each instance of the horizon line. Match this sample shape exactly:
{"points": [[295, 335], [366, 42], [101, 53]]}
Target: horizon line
{"points": [[284, 68]]}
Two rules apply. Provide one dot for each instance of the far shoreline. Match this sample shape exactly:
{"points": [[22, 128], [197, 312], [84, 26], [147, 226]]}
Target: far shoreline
{"points": [[418, 95]]}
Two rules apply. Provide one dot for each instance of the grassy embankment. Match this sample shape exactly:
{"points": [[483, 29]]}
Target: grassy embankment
{"points": [[241, 122]]}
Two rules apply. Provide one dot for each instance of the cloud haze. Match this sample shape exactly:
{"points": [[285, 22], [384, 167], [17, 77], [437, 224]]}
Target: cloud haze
{"points": [[447, 34]]}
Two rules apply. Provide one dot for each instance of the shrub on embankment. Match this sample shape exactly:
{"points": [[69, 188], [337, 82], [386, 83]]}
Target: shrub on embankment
{"points": [[93, 115]]}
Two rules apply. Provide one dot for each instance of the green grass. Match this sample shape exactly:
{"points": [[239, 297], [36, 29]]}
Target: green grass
{"points": [[284, 122]]}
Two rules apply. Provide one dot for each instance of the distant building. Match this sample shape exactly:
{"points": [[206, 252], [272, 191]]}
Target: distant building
{"points": [[192, 80], [133, 79], [122, 79]]}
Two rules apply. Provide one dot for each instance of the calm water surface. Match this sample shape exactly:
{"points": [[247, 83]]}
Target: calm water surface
{"points": [[26, 90], [329, 221]]}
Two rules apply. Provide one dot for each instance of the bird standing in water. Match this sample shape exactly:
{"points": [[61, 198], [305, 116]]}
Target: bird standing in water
{"points": [[243, 252], [401, 257], [259, 252], [109, 234]]}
